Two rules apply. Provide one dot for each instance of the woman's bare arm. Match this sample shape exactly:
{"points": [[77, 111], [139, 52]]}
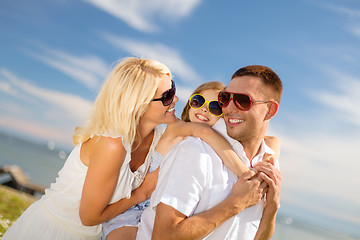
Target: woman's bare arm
{"points": [[104, 158]]}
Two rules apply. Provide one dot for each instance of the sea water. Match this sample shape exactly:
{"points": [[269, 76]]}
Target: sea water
{"points": [[41, 163]]}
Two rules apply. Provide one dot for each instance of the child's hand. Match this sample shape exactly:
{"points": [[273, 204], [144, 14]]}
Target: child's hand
{"points": [[269, 158], [273, 177]]}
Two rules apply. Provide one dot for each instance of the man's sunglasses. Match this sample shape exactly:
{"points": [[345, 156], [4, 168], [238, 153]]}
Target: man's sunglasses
{"points": [[168, 96], [242, 101], [198, 101]]}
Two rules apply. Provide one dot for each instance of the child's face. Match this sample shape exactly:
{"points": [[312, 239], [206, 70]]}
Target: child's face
{"points": [[202, 114]]}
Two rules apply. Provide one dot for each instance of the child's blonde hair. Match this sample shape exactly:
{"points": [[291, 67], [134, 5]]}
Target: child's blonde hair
{"points": [[123, 99]]}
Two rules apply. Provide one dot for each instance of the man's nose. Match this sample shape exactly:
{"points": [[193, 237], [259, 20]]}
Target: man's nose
{"points": [[230, 107]]}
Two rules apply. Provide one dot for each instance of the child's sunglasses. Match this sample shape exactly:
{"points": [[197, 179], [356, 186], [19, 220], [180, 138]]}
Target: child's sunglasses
{"points": [[197, 101], [242, 101], [168, 96]]}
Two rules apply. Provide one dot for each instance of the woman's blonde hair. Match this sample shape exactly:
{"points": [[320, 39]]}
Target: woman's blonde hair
{"points": [[203, 87], [123, 99]]}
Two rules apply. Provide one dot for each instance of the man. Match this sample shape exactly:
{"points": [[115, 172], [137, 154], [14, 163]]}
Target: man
{"points": [[197, 196]]}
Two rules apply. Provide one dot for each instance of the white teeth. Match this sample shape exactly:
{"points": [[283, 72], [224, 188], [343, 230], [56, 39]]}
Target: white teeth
{"points": [[170, 109], [232, 120], [201, 117]]}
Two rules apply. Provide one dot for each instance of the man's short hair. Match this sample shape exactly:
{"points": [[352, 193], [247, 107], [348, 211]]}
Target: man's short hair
{"points": [[268, 76]]}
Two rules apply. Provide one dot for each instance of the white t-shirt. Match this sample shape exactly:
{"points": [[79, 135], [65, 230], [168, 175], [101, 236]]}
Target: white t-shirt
{"points": [[193, 178]]}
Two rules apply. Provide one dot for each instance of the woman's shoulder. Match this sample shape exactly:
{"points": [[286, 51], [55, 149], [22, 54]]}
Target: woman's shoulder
{"points": [[101, 144]]}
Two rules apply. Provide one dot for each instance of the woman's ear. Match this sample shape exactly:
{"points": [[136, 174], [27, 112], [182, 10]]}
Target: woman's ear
{"points": [[273, 108]]}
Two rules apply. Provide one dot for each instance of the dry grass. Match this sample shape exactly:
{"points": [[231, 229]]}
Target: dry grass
{"points": [[12, 205]]}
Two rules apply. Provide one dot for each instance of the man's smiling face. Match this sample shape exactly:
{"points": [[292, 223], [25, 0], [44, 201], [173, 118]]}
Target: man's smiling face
{"points": [[246, 125]]}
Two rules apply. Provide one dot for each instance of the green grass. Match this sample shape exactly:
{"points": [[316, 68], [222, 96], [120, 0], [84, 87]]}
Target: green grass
{"points": [[12, 205]]}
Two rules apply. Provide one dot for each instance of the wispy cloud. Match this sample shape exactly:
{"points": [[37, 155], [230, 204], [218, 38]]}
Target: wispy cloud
{"points": [[72, 104], [319, 158], [141, 14], [183, 93], [322, 167], [47, 132], [89, 70], [345, 99], [350, 12], [169, 56], [6, 88], [355, 31], [71, 108]]}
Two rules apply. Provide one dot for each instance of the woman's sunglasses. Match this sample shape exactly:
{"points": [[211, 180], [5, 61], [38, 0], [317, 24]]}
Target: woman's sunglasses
{"points": [[168, 96], [242, 101], [197, 101]]}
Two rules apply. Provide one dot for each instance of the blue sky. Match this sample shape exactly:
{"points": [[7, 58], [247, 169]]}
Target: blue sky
{"points": [[55, 54]]}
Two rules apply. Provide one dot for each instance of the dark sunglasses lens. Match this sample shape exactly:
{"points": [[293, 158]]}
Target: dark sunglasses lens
{"points": [[215, 108], [242, 101], [197, 101], [224, 98], [168, 96]]}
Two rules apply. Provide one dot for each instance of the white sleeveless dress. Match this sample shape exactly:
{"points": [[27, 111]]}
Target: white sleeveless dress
{"points": [[56, 215], [132, 216]]}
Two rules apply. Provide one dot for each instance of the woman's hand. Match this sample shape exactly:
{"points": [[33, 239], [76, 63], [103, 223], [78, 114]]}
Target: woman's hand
{"points": [[148, 186]]}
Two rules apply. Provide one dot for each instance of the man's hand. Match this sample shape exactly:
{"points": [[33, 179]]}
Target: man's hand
{"points": [[272, 176], [248, 190]]}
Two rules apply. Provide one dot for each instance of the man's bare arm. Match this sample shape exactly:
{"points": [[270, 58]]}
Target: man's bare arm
{"points": [[171, 224]]}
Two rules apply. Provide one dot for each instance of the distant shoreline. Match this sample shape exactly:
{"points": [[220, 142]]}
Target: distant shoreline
{"points": [[25, 196]]}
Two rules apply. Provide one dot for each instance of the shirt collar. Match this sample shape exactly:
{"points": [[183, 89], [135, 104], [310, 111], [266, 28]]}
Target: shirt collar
{"points": [[220, 127]]}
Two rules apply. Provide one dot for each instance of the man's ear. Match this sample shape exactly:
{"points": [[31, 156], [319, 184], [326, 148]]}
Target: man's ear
{"points": [[273, 108]]}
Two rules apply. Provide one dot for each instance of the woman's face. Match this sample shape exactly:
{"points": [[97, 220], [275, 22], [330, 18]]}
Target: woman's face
{"points": [[202, 114], [156, 112]]}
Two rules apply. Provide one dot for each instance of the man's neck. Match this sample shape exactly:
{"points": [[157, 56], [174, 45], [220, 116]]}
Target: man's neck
{"points": [[252, 148]]}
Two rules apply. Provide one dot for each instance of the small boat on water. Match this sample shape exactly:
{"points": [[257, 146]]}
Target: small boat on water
{"points": [[14, 177]]}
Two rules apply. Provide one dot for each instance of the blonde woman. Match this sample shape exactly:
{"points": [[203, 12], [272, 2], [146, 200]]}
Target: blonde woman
{"points": [[101, 177]]}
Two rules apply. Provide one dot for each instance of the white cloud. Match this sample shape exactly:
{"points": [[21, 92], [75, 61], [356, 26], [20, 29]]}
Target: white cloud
{"points": [[160, 52], [355, 31], [89, 70], [183, 93], [324, 208], [71, 108], [350, 12], [47, 132], [345, 99], [319, 158], [10, 107], [320, 171], [6, 88], [140, 14], [72, 104]]}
